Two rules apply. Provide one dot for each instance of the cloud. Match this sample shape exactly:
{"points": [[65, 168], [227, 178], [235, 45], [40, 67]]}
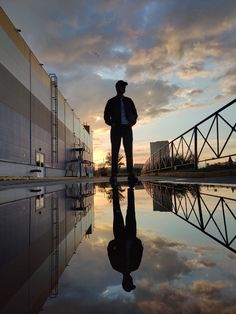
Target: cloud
{"points": [[190, 71], [191, 105], [211, 289], [169, 53], [228, 81], [152, 97]]}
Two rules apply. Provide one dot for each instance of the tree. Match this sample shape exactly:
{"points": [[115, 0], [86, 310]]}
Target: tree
{"points": [[108, 160]]}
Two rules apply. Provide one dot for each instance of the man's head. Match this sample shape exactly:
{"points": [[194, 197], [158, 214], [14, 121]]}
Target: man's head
{"points": [[120, 87], [127, 283]]}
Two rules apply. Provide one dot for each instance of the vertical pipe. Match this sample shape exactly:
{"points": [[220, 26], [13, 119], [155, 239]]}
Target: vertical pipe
{"points": [[30, 105], [217, 135], [65, 152], [172, 156], [195, 149]]}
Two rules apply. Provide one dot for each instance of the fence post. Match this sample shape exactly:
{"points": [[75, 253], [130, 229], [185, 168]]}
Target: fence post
{"points": [[195, 149], [172, 156]]}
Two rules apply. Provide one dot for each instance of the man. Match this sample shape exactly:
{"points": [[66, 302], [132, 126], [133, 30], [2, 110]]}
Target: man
{"points": [[125, 251], [120, 113]]}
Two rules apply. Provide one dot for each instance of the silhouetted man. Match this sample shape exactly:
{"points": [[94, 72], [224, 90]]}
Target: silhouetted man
{"points": [[126, 250], [120, 113]]}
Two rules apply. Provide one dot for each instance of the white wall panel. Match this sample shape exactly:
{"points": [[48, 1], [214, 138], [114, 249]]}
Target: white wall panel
{"points": [[61, 107], [69, 117], [41, 89], [14, 60], [77, 126]]}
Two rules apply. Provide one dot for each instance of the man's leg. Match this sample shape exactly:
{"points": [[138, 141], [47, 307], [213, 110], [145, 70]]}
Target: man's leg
{"points": [[128, 146], [130, 220], [115, 147], [118, 220]]}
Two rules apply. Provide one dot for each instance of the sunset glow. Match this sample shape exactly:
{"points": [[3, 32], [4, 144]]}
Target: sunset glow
{"points": [[178, 58]]}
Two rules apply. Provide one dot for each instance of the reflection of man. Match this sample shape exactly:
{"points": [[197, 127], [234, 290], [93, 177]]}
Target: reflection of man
{"points": [[120, 113], [126, 250]]}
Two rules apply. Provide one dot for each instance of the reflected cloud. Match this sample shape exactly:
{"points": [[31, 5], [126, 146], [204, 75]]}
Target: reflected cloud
{"points": [[175, 276], [210, 289], [116, 293]]}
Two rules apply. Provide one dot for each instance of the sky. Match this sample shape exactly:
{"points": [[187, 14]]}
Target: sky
{"points": [[178, 58]]}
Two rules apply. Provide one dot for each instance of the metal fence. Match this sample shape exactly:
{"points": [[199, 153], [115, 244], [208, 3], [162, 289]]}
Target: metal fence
{"points": [[214, 215], [212, 139]]}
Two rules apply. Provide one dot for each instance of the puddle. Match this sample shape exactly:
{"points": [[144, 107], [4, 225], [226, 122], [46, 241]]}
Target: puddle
{"points": [[54, 244]]}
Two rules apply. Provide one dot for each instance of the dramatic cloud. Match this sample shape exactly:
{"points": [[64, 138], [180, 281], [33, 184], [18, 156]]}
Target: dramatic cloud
{"points": [[174, 56]]}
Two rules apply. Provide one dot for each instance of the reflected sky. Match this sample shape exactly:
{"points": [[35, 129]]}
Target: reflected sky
{"points": [[182, 269]]}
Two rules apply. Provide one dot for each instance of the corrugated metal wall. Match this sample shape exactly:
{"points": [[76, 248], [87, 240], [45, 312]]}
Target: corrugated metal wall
{"points": [[25, 106]]}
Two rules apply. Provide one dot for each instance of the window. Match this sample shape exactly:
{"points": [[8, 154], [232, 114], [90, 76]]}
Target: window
{"points": [[39, 158]]}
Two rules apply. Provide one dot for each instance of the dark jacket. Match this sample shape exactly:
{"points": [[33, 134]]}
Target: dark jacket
{"points": [[112, 113], [117, 255]]}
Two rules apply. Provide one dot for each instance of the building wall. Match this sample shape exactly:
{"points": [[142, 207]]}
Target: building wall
{"points": [[29, 235], [25, 110], [156, 146]]}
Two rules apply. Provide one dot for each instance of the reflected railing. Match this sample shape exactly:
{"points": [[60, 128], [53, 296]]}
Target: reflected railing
{"points": [[202, 207], [212, 139]]}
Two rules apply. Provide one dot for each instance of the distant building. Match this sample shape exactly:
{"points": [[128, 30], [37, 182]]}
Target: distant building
{"points": [[138, 166], [156, 146]]}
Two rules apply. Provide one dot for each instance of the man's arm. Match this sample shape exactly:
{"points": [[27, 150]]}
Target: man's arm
{"points": [[107, 115], [133, 113]]}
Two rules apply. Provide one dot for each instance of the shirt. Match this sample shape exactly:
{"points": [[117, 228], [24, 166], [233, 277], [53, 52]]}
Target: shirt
{"points": [[124, 120]]}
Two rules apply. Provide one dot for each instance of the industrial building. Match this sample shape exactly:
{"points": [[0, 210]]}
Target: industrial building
{"points": [[40, 134]]}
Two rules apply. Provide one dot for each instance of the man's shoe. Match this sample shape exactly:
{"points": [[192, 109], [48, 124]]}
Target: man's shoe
{"points": [[113, 179], [132, 179]]}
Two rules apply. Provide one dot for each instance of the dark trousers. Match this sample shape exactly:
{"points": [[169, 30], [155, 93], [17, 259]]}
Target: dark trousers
{"points": [[116, 134], [124, 231]]}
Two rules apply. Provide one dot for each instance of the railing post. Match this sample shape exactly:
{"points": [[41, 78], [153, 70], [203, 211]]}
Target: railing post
{"points": [[195, 149], [217, 136], [172, 156], [199, 208]]}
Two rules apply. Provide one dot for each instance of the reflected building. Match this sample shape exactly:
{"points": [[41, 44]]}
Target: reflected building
{"points": [[161, 196], [162, 200], [39, 233]]}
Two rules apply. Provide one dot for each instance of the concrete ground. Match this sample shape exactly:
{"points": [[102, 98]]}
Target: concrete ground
{"points": [[5, 182], [222, 180]]}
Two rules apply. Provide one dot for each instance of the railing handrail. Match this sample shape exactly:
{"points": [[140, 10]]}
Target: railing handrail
{"points": [[205, 119], [195, 127]]}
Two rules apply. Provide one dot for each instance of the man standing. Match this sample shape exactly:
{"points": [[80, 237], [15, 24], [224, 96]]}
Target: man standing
{"points": [[120, 113]]}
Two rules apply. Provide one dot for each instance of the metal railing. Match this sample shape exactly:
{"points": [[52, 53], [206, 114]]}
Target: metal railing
{"points": [[211, 139], [214, 215]]}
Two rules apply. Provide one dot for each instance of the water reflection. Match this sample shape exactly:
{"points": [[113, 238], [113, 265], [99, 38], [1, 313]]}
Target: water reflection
{"points": [[126, 250], [207, 211], [40, 229], [182, 270]]}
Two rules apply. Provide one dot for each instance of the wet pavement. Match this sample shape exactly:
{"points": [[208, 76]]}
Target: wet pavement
{"points": [[66, 249]]}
